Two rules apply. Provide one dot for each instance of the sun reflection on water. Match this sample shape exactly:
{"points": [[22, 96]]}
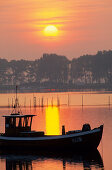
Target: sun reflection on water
{"points": [[52, 121]]}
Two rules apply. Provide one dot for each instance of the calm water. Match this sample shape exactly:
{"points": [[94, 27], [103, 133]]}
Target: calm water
{"points": [[50, 120]]}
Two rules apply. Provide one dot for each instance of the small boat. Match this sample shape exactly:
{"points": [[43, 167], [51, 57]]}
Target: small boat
{"points": [[18, 134]]}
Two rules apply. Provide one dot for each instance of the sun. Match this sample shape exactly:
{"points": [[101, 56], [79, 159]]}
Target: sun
{"points": [[51, 31]]}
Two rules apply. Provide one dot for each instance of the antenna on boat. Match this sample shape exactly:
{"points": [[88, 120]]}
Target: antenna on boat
{"points": [[16, 107]]}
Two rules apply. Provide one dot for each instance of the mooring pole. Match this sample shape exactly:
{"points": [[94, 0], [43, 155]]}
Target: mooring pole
{"points": [[16, 100], [82, 101], [39, 102], [42, 104], [8, 103], [47, 102], [52, 102], [34, 101], [109, 102], [58, 102], [30, 103], [68, 100], [12, 102]]}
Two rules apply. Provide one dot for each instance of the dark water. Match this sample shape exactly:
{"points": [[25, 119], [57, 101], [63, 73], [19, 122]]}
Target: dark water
{"points": [[69, 160], [50, 120]]}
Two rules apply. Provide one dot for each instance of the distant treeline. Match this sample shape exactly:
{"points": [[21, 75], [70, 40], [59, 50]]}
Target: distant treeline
{"points": [[55, 71]]}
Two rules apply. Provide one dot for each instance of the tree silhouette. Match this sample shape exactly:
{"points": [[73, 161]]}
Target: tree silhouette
{"points": [[57, 70]]}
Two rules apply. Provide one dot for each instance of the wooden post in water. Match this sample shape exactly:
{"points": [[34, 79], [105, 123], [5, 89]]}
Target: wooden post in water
{"points": [[39, 102], [58, 102], [82, 101], [109, 102], [68, 100], [16, 100], [52, 102], [30, 103], [12, 102], [25, 102], [42, 103], [34, 101], [8, 103]]}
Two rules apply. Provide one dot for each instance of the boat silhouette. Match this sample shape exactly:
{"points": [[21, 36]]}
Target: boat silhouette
{"points": [[18, 135]]}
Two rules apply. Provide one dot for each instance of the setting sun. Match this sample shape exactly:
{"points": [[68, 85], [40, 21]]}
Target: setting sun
{"points": [[51, 30]]}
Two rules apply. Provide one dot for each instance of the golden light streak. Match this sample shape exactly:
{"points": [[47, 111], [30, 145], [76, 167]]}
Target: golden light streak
{"points": [[52, 121]]}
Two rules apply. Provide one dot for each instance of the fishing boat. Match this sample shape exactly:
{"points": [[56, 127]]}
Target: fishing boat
{"points": [[18, 135]]}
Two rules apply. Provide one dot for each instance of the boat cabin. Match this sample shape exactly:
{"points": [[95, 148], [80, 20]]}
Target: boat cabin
{"points": [[16, 124]]}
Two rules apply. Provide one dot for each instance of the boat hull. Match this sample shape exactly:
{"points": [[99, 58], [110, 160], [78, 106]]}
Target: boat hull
{"points": [[77, 141]]}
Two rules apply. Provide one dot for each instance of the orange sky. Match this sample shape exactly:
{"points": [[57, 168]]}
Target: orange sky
{"points": [[84, 27]]}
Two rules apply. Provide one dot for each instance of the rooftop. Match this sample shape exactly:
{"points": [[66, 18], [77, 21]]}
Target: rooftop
{"points": [[18, 115]]}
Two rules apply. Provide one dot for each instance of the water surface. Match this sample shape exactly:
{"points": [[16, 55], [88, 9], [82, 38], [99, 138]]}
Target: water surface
{"points": [[50, 120]]}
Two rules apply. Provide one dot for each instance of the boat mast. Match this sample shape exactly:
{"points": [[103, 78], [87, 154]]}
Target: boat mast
{"points": [[16, 109]]}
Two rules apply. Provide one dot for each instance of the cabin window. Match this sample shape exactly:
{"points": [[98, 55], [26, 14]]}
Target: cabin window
{"points": [[11, 122], [23, 122], [27, 121], [14, 122], [17, 122], [7, 123], [20, 122]]}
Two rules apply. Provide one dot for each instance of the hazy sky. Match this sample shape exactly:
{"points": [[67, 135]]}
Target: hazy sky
{"points": [[84, 26]]}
